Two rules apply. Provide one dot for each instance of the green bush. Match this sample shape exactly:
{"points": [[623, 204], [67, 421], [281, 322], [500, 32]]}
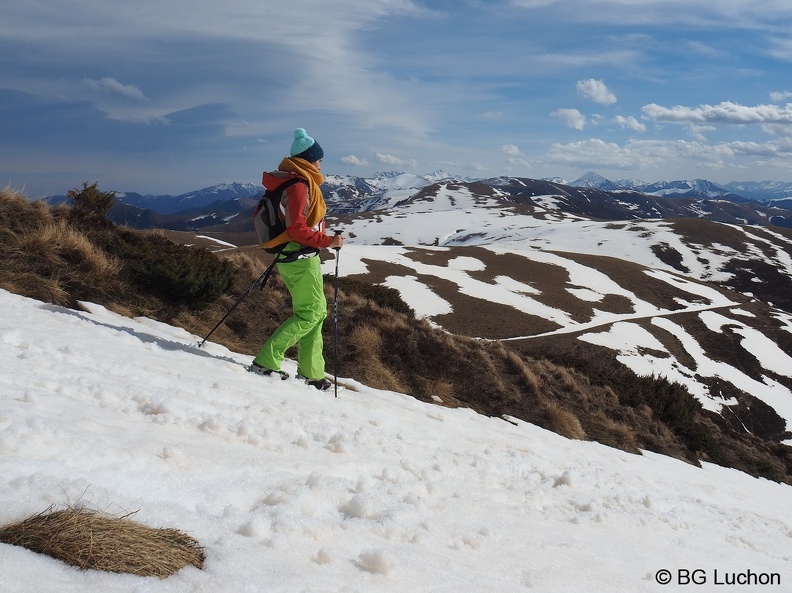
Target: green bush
{"points": [[176, 273], [384, 296], [90, 202], [673, 403]]}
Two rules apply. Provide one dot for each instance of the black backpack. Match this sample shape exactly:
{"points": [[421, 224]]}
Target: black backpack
{"points": [[267, 220]]}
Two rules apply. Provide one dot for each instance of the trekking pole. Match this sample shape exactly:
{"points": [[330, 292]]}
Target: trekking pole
{"points": [[335, 320], [262, 279]]}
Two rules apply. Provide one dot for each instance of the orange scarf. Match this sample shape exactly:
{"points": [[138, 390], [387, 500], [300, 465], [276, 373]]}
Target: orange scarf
{"points": [[316, 204]]}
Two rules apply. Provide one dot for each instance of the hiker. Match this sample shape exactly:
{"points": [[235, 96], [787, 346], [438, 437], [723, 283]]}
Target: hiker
{"points": [[303, 208]]}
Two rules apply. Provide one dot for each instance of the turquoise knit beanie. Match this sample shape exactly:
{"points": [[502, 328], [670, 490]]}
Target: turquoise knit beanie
{"points": [[305, 147]]}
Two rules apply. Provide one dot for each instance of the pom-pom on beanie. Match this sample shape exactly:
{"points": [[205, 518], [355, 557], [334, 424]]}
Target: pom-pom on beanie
{"points": [[305, 147]]}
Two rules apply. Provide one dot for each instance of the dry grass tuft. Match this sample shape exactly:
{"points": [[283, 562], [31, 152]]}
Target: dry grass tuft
{"points": [[49, 261], [93, 540], [440, 391], [18, 213], [367, 342], [563, 422], [44, 257], [525, 372]]}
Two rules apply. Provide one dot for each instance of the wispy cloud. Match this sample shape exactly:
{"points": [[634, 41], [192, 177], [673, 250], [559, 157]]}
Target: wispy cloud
{"points": [[701, 13], [571, 117], [113, 87], [630, 123], [389, 159], [641, 154], [781, 48]]}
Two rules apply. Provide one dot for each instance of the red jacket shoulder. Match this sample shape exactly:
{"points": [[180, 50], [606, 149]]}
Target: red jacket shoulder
{"points": [[273, 180]]}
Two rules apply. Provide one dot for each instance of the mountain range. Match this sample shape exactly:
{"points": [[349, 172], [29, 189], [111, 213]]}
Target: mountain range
{"points": [[768, 192], [229, 207], [218, 204]]}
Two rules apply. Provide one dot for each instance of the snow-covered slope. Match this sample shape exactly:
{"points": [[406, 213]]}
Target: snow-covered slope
{"points": [[651, 292], [291, 490]]}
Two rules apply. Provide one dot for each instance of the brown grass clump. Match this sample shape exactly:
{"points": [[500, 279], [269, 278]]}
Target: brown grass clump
{"points": [[93, 540], [562, 421], [45, 258], [526, 373], [367, 342]]}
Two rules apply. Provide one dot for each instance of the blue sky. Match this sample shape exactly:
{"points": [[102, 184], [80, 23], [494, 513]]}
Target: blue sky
{"points": [[168, 96]]}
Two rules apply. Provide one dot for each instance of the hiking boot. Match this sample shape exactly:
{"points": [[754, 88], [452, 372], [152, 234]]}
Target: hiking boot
{"points": [[320, 384], [260, 370]]}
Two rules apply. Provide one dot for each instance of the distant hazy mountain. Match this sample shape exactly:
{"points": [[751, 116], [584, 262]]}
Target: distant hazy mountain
{"points": [[167, 204], [762, 191], [736, 191]]}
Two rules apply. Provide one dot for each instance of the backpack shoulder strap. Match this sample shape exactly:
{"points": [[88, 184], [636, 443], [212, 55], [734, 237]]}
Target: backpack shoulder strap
{"points": [[289, 183]]}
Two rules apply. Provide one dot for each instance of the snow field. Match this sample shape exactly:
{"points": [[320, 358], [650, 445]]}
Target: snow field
{"points": [[290, 489]]}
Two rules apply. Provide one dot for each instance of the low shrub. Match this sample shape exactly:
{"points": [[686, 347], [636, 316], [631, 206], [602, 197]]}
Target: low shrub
{"points": [[175, 273], [384, 296]]}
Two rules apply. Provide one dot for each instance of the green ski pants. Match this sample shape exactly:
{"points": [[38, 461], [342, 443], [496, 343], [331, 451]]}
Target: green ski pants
{"points": [[303, 278]]}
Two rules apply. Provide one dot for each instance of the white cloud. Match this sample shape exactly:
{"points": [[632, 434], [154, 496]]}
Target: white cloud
{"points": [[354, 161], [630, 123], [777, 97], [596, 90], [571, 117], [389, 159], [112, 87], [722, 113], [510, 149]]}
